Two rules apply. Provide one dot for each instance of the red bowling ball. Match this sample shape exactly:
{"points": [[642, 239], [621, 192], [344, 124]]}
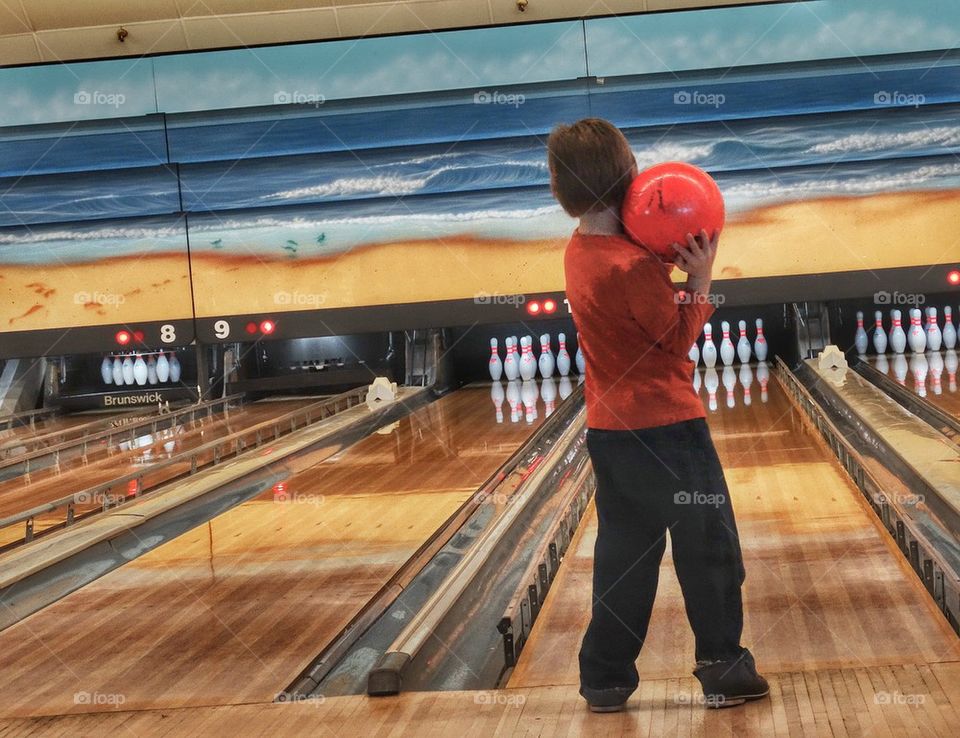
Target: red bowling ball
{"points": [[666, 202]]}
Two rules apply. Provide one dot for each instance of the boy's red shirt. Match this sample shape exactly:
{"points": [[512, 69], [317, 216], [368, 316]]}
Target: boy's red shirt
{"points": [[634, 332]]}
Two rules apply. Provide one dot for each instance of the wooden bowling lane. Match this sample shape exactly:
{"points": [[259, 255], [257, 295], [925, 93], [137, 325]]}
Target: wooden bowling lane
{"points": [[932, 376], [826, 587], [50, 428], [232, 611], [76, 473], [835, 702]]}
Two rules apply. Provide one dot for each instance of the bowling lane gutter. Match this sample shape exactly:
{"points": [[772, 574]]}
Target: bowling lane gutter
{"points": [[343, 666], [922, 522], [939, 420], [36, 575], [21, 464]]}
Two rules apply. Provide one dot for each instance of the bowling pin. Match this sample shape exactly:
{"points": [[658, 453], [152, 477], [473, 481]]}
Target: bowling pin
{"points": [[580, 359], [545, 363], [140, 370], [949, 332], [916, 337], [563, 357], [730, 384], [760, 343], [513, 398], [879, 335], [127, 368], [548, 392], [529, 394], [743, 345], [860, 337], [694, 353], [711, 381], [950, 364], [174, 368], [709, 350], [528, 365], [746, 379], [898, 339], [511, 367], [727, 350], [163, 368], [934, 335], [936, 372], [497, 395], [566, 387], [763, 378], [152, 370], [117, 371], [106, 370], [495, 364]]}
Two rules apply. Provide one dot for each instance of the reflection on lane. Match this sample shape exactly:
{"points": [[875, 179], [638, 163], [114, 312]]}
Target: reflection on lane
{"points": [[931, 375]]}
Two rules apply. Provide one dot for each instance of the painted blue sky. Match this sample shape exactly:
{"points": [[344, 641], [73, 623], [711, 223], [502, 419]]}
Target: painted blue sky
{"points": [[478, 58]]}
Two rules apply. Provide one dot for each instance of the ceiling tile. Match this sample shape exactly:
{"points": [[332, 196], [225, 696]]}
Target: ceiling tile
{"points": [[95, 43], [19, 49], [272, 28], [193, 8], [13, 18], [55, 14], [375, 18], [505, 11]]}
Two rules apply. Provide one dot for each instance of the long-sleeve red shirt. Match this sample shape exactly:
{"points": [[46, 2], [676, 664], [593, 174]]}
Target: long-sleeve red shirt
{"points": [[634, 332]]}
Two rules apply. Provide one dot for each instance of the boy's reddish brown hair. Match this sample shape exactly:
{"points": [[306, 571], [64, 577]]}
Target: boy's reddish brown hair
{"points": [[591, 166]]}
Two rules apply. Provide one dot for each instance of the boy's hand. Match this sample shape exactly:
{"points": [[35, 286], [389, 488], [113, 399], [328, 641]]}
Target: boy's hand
{"points": [[696, 258]]}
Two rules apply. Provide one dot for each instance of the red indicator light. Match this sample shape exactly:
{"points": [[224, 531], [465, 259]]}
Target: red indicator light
{"points": [[132, 487], [549, 306], [123, 337], [267, 327], [280, 491], [251, 328], [533, 307], [954, 277]]}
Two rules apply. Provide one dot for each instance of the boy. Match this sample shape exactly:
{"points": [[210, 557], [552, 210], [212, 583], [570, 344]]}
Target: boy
{"points": [[647, 435]]}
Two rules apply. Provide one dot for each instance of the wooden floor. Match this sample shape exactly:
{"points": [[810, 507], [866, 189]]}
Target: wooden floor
{"points": [[232, 611], [887, 702], [850, 642], [825, 589]]}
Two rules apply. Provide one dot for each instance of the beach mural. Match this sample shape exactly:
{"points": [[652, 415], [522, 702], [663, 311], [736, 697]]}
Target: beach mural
{"points": [[94, 273], [805, 195], [251, 182]]}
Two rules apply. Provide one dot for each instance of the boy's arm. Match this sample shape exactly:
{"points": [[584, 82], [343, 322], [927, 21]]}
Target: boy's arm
{"points": [[671, 321]]}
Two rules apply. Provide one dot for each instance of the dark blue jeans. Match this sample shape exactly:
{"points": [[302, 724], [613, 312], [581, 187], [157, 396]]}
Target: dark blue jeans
{"points": [[650, 481]]}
